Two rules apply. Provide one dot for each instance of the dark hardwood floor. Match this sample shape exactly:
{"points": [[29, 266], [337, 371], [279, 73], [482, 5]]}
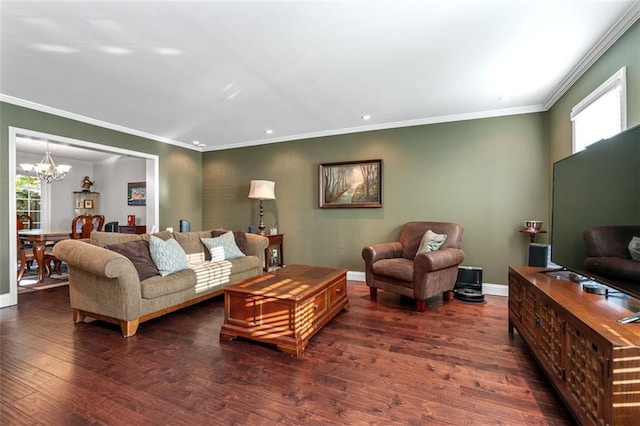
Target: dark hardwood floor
{"points": [[375, 364]]}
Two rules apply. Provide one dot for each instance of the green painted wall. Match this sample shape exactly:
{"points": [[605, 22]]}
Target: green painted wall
{"points": [[488, 175], [180, 169], [625, 52]]}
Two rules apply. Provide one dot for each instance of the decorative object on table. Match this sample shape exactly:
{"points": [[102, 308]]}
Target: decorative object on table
{"points": [[262, 190], [46, 170], [88, 204], [273, 230], [532, 227], [351, 184], [87, 183], [131, 220], [137, 194]]}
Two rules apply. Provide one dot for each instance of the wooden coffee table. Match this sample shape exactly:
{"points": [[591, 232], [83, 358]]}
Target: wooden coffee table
{"points": [[285, 307]]}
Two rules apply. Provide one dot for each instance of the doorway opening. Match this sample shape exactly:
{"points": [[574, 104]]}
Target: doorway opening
{"points": [[152, 192]]}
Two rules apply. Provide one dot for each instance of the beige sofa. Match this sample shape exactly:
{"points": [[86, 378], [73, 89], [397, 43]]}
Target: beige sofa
{"points": [[105, 285]]}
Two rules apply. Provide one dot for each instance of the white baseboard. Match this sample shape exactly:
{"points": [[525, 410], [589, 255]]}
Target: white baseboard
{"points": [[356, 276], [495, 289], [487, 288]]}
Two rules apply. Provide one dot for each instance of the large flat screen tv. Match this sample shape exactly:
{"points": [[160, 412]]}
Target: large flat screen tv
{"points": [[599, 186]]}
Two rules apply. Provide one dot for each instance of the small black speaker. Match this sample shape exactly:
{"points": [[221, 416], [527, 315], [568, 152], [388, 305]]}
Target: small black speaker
{"points": [[185, 225], [539, 254]]}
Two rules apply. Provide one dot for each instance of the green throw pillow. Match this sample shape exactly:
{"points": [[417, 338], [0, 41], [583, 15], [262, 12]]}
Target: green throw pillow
{"points": [[634, 248], [431, 241], [223, 247], [168, 255]]}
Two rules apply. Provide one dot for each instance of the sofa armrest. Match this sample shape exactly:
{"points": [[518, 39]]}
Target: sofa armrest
{"points": [[436, 260], [93, 259], [256, 245]]}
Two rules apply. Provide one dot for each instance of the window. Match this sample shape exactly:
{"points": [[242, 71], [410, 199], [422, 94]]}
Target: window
{"points": [[28, 193], [602, 114]]}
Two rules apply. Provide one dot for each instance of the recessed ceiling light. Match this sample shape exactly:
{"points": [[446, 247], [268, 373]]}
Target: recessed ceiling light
{"points": [[365, 117], [269, 131], [197, 143], [167, 51], [54, 48], [115, 50]]}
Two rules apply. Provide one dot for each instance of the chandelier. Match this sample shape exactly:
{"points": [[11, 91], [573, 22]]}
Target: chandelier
{"points": [[46, 169]]}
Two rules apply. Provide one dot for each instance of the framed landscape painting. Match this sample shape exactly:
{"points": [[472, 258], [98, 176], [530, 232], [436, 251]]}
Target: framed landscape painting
{"points": [[137, 194], [351, 184]]}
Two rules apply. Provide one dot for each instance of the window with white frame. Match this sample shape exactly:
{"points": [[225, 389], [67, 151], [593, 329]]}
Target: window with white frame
{"points": [[28, 195], [602, 114]]}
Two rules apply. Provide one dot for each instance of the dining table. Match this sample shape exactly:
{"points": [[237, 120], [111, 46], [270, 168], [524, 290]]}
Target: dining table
{"points": [[40, 238]]}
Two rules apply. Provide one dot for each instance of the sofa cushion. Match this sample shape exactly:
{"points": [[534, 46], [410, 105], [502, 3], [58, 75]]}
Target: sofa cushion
{"points": [[192, 244], [138, 253], [104, 239], [431, 241], [223, 247], [168, 255], [161, 286], [239, 236]]}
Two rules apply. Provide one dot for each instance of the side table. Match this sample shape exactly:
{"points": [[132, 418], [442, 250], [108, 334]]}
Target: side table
{"points": [[532, 233], [274, 240]]}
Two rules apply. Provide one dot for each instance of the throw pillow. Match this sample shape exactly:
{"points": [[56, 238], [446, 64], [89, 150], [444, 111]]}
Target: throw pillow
{"points": [[168, 255], [431, 241], [634, 248], [138, 253], [223, 247], [240, 237]]}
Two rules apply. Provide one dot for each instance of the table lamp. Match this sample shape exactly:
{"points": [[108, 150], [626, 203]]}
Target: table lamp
{"points": [[262, 190]]}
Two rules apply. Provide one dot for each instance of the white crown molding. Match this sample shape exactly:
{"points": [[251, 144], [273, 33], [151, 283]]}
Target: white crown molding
{"points": [[324, 133], [386, 126], [620, 27], [88, 120]]}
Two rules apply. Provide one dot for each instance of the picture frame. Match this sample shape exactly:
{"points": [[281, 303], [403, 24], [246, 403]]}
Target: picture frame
{"points": [[350, 184], [137, 194], [88, 204]]}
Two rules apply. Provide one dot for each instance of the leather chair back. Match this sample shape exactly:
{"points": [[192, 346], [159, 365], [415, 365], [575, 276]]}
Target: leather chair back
{"points": [[412, 233]]}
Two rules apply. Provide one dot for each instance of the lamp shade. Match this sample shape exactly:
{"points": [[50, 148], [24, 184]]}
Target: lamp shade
{"points": [[262, 190]]}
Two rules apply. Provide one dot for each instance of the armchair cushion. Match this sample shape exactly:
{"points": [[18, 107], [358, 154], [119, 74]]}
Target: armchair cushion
{"points": [[634, 248], [431, 241], [399, 268]]}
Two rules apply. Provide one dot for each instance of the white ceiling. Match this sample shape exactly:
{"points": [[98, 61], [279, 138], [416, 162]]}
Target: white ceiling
{"points": [[222, 72]]}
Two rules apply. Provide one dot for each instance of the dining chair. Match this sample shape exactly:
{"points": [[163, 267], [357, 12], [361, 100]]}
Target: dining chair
{"points": [[81, 226], [26, 257], [98, 222], [24, 221]]}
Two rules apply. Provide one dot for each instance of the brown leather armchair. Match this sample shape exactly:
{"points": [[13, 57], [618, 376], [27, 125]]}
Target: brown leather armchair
{"points": [[608, 256], [397, 268]]}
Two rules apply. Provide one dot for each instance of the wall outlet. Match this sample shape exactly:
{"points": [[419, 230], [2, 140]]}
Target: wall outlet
{"points": [[170, 229]]}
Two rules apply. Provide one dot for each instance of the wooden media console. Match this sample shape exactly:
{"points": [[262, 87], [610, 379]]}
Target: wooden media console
{"points": [[591, 360]]}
